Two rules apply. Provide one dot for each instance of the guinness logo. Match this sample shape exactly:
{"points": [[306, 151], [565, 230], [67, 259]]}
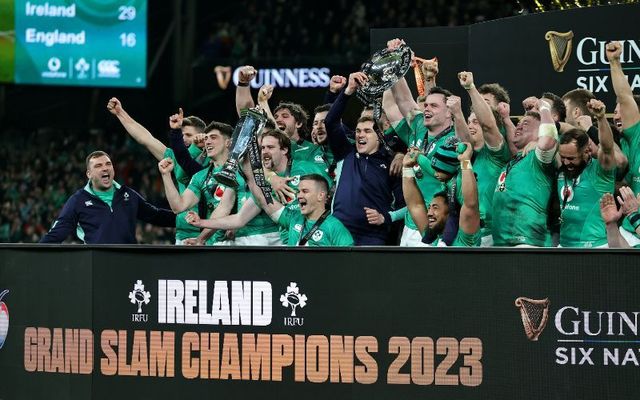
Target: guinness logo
{"points": [[223, 76], [560, 45]]}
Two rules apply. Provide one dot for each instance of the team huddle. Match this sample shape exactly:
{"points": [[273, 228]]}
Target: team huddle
{"points": [[561, 176]]}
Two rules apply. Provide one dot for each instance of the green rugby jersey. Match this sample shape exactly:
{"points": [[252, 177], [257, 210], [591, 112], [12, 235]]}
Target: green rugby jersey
{"points": [[304, 150], [184, 230], [630, 146], [487, 166], [520, 202], [261, 223], [203, 183], [581, 224], [462, 240], [330, 233]]}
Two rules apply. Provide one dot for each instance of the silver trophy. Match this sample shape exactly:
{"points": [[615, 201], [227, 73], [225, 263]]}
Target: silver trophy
{"points": [[249, 125], [384, 69]]}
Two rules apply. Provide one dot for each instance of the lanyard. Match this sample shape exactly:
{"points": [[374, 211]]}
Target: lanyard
{"points": [[512, 163], [313, 229], [428, 145]]}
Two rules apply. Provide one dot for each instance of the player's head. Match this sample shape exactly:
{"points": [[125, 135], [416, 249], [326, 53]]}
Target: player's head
{"points": [[100, 171]]}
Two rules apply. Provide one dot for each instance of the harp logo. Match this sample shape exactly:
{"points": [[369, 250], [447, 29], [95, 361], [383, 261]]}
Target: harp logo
{"points": [[534, 314], [560, 45], [223, 76]]}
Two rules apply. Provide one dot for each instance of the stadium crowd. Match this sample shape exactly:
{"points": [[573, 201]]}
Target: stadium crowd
{"points": [[481, 179]]}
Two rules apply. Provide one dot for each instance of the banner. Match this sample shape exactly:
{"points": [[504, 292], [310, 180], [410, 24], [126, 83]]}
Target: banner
{"points": [[165, 323], [530, 54]]}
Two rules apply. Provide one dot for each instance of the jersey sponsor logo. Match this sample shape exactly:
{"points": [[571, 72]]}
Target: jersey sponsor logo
{"points": [[219, 192], [567, 193], [502, 177], [317, 236]]}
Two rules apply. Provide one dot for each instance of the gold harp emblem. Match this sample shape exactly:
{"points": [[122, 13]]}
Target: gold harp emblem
{"points": [[535, 314], [560, 48], [223, 76]]}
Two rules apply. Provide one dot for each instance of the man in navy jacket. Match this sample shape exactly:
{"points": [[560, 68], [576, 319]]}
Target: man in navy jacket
{"points": [[104, 212], [363, 195]]}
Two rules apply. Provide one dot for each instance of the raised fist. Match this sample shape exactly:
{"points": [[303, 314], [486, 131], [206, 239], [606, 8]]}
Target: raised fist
{"points": [[265, 92], [467, 153], [584, 122], [246, 74], [114, 106], [543, 103], [336, 83], [597, 108], [165, 166], [430, 68], [613, 51], [530, 103], [192, 218], [504, 109], [198, 139], [454, 104], [175, 121], [466, 79]]}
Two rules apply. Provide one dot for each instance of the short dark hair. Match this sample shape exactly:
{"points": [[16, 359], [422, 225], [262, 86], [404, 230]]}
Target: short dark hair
{"points": [[439, 90], [442, 194], [498, 91], [557, 104], [224, 129], [322, 108], [319, 179], [579, 98], [579, 136], [194, 121], [299, 113], [95, 154], [283, 139]]}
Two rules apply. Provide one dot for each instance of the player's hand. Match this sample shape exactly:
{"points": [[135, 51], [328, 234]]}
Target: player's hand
{"points": [[597, 108], [504, 109], [246, 74], [284, 192], [394, 44], [454, 104], [114, 106], [373, 216], [175, 121], [608, 210], [410, 159], [165, 166], [198, 139], [265, 92], [466, 79], [193, 218], [467, 153], [193, 241], [529, 147], [628, 201], [356, 80], [613, 50], [395, 169], [584, 122], [336, 83], [430, 68], [530, 103], [543, 103]]}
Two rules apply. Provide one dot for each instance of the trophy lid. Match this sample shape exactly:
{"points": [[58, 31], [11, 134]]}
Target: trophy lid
{"points": [[384, 69]]}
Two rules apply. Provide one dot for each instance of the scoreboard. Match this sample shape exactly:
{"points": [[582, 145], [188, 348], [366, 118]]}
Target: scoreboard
{"points": [[75, 42]]}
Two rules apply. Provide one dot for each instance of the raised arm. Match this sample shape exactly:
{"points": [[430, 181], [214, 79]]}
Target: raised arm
{"points": [[336, 84], [628, 108], [248, 211], [504, 109], [177, 202], [138, 132], [606, 153], [483, 111], [336, 133], [401, 92], [243, 91], [547, 134], [462, 129], [264, 94], [470, 211], [390, 107], [180, 151], [412, 195]]}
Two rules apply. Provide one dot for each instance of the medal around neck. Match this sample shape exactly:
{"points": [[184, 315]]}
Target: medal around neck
{"points": [[249, 125]]}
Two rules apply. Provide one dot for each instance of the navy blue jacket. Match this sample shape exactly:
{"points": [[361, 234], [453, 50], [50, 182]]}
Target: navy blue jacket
{"points": [[364, 180], [96, 223]]}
